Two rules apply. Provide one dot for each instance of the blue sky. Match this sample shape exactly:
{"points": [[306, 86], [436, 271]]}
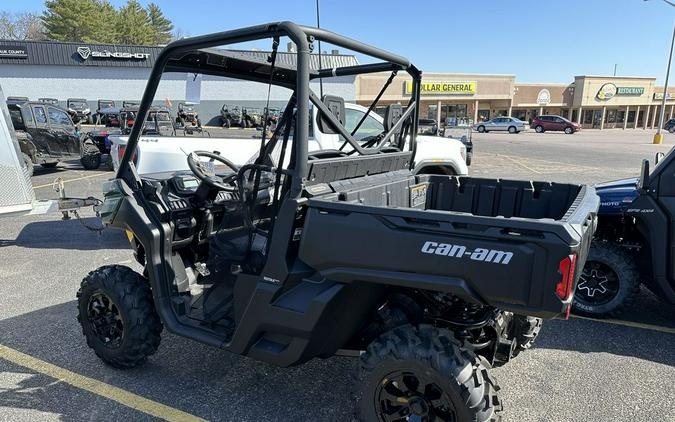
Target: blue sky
{"points": [[538, 41]]}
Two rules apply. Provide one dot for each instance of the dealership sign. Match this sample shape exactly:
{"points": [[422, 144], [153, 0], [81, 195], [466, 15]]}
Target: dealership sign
{"points": [[444, 88], [609, 90], [86, 52], [13, 52]]}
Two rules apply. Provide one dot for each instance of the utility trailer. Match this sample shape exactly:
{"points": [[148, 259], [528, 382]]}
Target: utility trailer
{"points": [[298, 254]]}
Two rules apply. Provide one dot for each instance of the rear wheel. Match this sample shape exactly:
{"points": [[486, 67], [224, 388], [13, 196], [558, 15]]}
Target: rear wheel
{"points": [[525, 331], [512, 129], [118, 317], [539, 129], [609, 281], [569, 130], [481, 128], [29, 164], [91, 157], [423, 374]]}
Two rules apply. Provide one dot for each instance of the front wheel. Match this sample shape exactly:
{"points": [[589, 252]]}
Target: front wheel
{"points": [[29, 164], [91, 157], [671, 129], [569, 130], [609, 281], [422, 373], [481, 128], [118, 317], [539, 129]]}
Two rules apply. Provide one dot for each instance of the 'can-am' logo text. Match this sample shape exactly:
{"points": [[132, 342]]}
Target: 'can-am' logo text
{"points": [[459, 251], [86, 52]]}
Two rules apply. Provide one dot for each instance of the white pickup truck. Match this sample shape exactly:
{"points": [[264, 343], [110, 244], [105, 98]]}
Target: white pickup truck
{"points": [[435, 155]]}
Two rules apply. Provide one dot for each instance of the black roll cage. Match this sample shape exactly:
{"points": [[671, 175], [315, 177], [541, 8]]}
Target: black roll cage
{"points": [[192, 54]]}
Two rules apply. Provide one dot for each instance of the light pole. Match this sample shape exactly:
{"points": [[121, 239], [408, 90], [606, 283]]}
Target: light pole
{"points": [[658, 137]]}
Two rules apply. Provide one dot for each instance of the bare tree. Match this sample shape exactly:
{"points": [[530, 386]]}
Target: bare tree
{"points": [[21, 26], [178, 33]]}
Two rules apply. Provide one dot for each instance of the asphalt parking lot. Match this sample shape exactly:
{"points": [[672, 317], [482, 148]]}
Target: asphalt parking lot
{"points": [[579, 370]]}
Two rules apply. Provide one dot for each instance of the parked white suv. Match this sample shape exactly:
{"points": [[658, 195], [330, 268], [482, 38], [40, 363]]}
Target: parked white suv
{"points": [[435, 154]]}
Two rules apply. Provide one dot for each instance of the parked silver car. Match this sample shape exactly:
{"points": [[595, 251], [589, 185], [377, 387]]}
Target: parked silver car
{"points": [[511, 124]]}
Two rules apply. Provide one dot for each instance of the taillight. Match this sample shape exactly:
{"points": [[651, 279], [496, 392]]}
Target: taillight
{"points": [[566, 269], [120, 153]]}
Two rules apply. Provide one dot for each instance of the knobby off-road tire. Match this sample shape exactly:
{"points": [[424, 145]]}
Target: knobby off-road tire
{"points": [[118, 317], [91, 157], [29, 164], [417, 370], [609, 282], [525, 331]]}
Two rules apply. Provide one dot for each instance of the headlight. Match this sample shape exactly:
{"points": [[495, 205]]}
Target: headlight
{"points": [[462, 152]]}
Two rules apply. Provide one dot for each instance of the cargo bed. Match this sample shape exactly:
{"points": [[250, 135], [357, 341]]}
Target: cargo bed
{"points": [[495, 242]]}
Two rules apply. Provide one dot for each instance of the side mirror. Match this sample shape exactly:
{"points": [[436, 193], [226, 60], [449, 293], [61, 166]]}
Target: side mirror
{"points": [[659, 156], [336, 105], [644, 175]]}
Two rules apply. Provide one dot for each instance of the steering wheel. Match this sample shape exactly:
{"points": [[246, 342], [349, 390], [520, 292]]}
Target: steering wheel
{"points": [[197, 167]]}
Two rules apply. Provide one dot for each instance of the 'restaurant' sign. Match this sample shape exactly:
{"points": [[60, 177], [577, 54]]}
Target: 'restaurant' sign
{"points": [[609, 90], [87, 52], [13, 52], [444, 88]]}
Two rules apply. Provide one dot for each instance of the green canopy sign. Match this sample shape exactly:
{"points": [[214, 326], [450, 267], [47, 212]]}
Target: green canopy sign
{"points": [[630, 90]]}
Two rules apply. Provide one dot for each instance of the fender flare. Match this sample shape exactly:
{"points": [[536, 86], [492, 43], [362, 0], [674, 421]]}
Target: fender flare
{"points": [[438, 164]]}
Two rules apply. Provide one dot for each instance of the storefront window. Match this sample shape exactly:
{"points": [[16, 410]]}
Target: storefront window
{"points": [[432, 112], [519, 114], [631, 117], [588, 117], [620, 116], [483, 115], [610, 117], [452, 113]]}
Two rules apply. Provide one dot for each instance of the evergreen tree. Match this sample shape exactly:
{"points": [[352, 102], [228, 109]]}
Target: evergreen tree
{"points": [[133, 26], [160, 24], [71, 20]]}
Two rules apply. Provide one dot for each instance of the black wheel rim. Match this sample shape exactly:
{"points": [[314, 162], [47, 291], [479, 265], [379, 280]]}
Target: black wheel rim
{"points": [[408, 396], [105, 320], [598, 284]]}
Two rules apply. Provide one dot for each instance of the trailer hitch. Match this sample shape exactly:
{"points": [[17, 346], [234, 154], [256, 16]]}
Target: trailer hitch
{"points": [[68, 206]]}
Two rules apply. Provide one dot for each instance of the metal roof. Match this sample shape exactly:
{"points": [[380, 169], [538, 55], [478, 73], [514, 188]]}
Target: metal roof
{"points": [[55, 53]]}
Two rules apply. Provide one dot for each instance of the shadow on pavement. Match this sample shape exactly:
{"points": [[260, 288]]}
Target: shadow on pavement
{"points": [[69, 234], [202, 380], [597, 337]]}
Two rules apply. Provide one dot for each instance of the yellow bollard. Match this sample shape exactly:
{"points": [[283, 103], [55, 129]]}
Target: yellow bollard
{"points": [[658, 138]]}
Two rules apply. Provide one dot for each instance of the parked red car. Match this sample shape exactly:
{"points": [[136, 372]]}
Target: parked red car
{"points": [[543, 123]]}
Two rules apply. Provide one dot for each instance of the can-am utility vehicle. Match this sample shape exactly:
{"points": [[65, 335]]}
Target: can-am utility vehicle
{"points": [[301, 254], [47, 135], [634, 243]]}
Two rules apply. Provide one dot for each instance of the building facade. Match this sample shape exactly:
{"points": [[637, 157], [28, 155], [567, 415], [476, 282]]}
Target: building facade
{"points": [[596, 102], [120, 73]]}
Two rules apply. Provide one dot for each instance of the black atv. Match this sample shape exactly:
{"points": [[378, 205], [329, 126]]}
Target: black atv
{"points": [[187, 116], [430, 279], [79, 110], [104, 112], [231, 116], [633, 245], [47, 135]]}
